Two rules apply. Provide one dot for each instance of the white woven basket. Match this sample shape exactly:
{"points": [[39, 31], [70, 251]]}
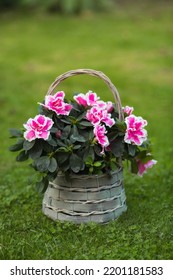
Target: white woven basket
{"points": [[86, 198]]}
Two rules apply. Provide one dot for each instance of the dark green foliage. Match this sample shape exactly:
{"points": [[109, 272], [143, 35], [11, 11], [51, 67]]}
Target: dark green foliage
{"points": [[72, 146], [18, 146]]}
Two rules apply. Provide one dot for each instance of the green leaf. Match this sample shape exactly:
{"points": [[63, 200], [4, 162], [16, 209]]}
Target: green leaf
{"points": [[62, 149], [134, 167], [52, 142], [61, 157], [84, 133], [36, 151], [54, 129], [60, 143], [51, 176], [58, 122], [81, 139], [117, 147], [36, 177], [97, 163], [75, 132], [76, 147], [91, 169], [89, 160], [145, 145], [46, 147], [132, 150], [66, 121], [97, 150], [144, 158], [81, 116], [17, 147], [22, 156], [76, 163], [53, 165], [86, 123], [76, 136], [65, 166], [42, 185], [42, 163], [28, 145], [89, 153], [113, 165], [66, 131], [15, 133], [121, 125], [113, 135]]}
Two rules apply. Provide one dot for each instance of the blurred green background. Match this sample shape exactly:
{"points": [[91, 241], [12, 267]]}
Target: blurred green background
{"points": [[132, 43], [57, 6]]}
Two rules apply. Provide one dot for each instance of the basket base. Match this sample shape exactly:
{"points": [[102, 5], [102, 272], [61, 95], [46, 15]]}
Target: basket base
{"points": [[85, 199], [100, 219]]}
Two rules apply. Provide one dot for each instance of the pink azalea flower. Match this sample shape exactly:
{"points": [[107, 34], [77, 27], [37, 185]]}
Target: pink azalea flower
{"points": [[109, 106], [88, 99], [135, 132], [97, 115], [142, 167], [92, 98], [100, 134], [56, 103], [38, 128], [81, 99], [128, 110]]}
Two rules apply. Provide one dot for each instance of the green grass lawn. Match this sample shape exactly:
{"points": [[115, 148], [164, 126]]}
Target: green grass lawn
{"points": [[134, 47]]}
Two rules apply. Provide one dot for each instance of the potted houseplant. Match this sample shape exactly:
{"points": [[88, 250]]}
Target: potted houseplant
{"points": [[77, 147]]}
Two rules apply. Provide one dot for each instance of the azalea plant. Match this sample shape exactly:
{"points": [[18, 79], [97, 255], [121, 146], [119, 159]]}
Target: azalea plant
{"points": [[81, 136]]}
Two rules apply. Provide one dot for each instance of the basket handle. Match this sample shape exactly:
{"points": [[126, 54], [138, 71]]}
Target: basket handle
{"points": [[95, 73]]}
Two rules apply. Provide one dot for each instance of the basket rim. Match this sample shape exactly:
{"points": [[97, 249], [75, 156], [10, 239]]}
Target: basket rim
{"points": [[94, 176]]}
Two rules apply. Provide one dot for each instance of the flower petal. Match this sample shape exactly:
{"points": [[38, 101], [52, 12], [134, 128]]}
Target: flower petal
{"points": [[81, 99], [142, 167], [91, 98], [29, 135], [128, 110], [44, 135]]}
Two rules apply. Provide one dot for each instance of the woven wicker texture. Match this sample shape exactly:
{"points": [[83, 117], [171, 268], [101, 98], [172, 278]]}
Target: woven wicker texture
{"points": [[84, 198]]}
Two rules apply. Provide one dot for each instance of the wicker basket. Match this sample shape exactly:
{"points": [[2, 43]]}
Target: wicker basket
{"points": [[86, 198]]}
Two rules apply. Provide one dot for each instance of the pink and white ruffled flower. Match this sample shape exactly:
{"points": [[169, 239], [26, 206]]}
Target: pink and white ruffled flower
{"points": [[91, 99], [109, 106], [135, 133], [88, 99], [81, 99], [142, 167], [96, 115], [128, 110], [56, 103], [100, 134], [38, 128]]}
